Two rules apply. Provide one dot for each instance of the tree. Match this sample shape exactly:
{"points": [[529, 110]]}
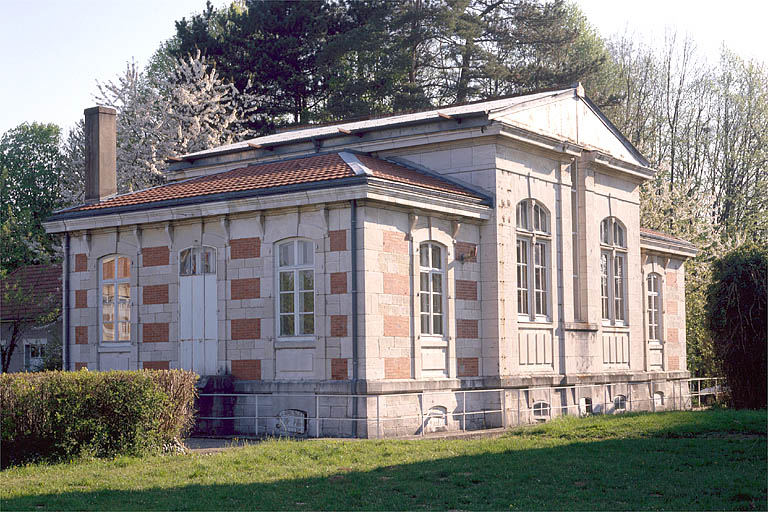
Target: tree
{"points": [[30, 179], [738, 316]]}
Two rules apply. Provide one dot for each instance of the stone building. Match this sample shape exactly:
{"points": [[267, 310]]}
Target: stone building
{"points": [[490, 246]]}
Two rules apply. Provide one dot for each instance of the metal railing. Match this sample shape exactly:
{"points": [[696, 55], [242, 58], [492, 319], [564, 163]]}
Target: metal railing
{"points": [[421, 413]]}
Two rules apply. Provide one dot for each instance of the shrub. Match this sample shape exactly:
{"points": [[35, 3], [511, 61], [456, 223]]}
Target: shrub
{"points": [[59, 415], [736, 307]]}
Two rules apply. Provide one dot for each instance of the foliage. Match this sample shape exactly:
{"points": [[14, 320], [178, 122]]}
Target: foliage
{"points": [[61, 415], [624, 462], [737, 307], [30, 167]]}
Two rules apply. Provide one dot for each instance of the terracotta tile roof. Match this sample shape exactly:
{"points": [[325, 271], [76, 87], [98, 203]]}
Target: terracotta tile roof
{"points": [[663, 235], [40, 289], [299, 171]]}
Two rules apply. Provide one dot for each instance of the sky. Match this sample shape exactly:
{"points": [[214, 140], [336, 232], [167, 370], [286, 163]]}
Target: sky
{"points": [[52, 52]]}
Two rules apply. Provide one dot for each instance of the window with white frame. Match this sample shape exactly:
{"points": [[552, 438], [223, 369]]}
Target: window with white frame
{"points": [[34, 353], [541, 411], [620, 403], [115, 286], [613, 269], [197, 261], [533, 274], [431, 288], [296, 288], [653, 290]]}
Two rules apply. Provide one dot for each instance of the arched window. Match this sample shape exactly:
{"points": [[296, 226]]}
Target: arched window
{"points": [[541, 411], [296, 288], [619, 403], [533, 239], [115, 306], [653, 289], [197, 261], [431, 286], [613, 270]]}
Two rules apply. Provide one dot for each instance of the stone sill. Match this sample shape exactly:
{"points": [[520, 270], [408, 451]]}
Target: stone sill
{"points": [[581, 326]]}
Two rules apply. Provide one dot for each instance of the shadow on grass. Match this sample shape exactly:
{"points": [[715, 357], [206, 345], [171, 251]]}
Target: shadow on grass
{"points": [[648, 474]]}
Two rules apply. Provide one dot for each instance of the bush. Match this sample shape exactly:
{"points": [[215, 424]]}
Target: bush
{"points": [[737, 310], [60, 415]]}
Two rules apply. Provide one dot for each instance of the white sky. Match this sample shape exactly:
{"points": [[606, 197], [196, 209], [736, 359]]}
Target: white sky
{"points": [[53, 51]]}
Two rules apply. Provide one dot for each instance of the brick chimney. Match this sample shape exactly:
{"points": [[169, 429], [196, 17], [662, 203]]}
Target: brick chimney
{"points": [[100, 153]]}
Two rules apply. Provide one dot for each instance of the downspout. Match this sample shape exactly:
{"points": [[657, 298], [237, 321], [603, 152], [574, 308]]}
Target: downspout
{"points": [[353, 247], [65, 306]]}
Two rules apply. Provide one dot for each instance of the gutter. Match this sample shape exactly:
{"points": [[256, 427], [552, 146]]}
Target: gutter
{"points": [[353, 247], [65, 306]]}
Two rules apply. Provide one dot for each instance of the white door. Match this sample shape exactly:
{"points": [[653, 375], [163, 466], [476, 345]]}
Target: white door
{"points": [[198, 319]]}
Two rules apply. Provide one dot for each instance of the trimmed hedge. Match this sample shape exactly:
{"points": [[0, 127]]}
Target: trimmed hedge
{"points": [[60, 415]]}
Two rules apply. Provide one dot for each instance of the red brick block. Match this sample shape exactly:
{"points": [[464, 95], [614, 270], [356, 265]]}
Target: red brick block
{"points": [[338, 240], [674, 362], [466, 328], [397, 326], [339, 369], [80, 366], [155, 332], [240, 248], [466, 290], [395, 242], [246, 329], [155, 294], [156, 365], [397, 368], [466, 252], [155, 256], [246, 369], [81, 262], [671, 307], [249, 288], [672, 335], [338, 326], [338, 282], [81, 298], [81, 335], [397, 284], [671, 278], [467, 366]]}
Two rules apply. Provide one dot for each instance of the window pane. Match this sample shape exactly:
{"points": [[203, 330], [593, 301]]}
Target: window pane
{"points": [[108, 331], [437, 324], [125, 331], [425, 324], [307, 302], [307, 324], [208, 261], [437, 283], [618, 290], [522, 277], [437, 303], [107, 295], [424, 286], [124, 304], [108, 268], [604, 285], [286, 325], [306, 280], [123, 268], [437, 259], [424, 255], [286, 281], [618, 235], [186, 263], [605, 231], [424, 300], [522, 215], [286, 303], [306, 253], [285, 257]]}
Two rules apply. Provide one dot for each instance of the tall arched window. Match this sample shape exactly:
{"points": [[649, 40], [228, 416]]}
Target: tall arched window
{"points": [[533, 239], [296, 288], [431, 288], [115, 306], [653, 289], [613, 271]]}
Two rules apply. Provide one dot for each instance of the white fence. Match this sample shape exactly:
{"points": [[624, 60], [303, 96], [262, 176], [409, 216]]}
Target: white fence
{"points": [[406, 414]]}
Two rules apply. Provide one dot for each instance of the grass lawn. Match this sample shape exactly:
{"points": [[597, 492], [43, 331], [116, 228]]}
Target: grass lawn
{"points": [[676, 460]]}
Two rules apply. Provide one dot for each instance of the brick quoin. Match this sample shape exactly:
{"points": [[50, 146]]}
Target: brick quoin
{"points": [[671, 307], [397, 368], [338, 240], [466, 329], [674, 362], [671, 278], [249, 288], [466, 252], [339, 369], [467, 366], [80, 366], [155, 294], [155, 256], [240, 248], [396, 326], [81, 298], [466, 290], [81, 335], [246, 329], [396, 284], [246, 369], [672, 335], [338, 282], [156, 365], [81, 262], [155, 332], [395, 242], [338, 326]]}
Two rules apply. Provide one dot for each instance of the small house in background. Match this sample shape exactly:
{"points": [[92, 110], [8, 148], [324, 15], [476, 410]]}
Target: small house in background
{"points": [[334, 271], [30, 316]]}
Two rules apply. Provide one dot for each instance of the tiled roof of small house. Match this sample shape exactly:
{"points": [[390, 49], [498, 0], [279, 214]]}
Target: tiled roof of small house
{"points": [[665, 236], [331, 169], [30, 291]]}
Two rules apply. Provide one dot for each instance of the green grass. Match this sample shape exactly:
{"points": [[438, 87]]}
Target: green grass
{"points": [[676, 460]]}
